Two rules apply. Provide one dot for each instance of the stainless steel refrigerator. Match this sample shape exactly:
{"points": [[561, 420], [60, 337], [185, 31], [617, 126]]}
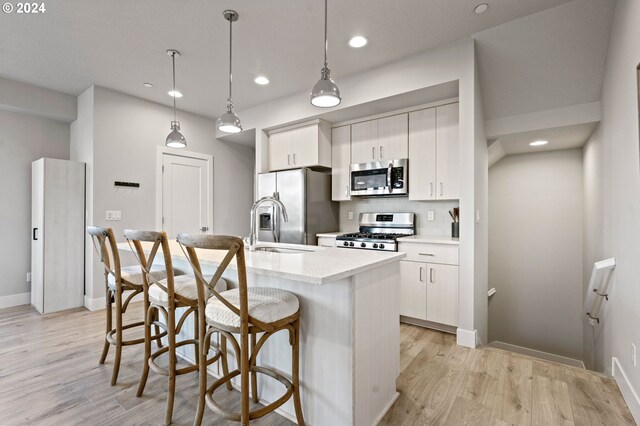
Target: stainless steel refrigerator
{"points": [[306, 194]]}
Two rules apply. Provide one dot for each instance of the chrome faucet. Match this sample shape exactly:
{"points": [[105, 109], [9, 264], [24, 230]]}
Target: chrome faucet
{"points": [[253, 239]]}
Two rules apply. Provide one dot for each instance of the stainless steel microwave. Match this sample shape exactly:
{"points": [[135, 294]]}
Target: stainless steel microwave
{"points": [[387, 177]]}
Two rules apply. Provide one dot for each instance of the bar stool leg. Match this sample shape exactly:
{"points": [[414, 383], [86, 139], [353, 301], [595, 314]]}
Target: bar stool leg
{"points": [[171, 335], [148, 318], [244, 379], [295, 367], [223, 359], [202, 372], [254, 375], [105, 349], [116, 362], [156, 317]]}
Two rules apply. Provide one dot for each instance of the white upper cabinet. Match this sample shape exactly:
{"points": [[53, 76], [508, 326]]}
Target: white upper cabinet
{"points": [[305, 146], [422, 155], [393, 136], [433, 153], [382, 139], [364, 141], [447, 152], [340, 161]]}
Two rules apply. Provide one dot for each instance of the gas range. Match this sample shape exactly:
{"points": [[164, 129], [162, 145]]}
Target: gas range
{"points": [[378, 231]]}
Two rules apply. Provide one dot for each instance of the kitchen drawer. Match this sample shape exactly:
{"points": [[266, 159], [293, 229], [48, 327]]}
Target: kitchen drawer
{"points": [[431, 253], [327, 241]]}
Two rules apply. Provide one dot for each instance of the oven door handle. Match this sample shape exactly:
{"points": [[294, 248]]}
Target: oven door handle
{"points": [[389, 172]]}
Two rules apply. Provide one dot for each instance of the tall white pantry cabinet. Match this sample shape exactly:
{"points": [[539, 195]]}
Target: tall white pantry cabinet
{"points": [[57, 234]]}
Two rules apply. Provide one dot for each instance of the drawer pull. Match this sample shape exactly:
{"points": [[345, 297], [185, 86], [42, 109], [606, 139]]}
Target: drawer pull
{"points": [[426, 254]]}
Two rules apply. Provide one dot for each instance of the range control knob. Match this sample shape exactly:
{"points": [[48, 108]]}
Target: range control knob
{"points": [[363, 245], [375, 245], [345, 244], [381, 246], [350, 244]]}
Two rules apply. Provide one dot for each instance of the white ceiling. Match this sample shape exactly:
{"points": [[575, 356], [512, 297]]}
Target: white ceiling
{"points": [[120, 44], [566, 137]]}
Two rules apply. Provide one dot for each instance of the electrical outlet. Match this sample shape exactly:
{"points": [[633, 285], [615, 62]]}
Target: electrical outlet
{"points": [[28, 277], [633, 354], [350, 214], [431, 215], [114, 215]]}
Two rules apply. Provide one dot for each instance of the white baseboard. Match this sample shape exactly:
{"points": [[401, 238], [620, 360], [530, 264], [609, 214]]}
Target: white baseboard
{"points": [[628, 392], [537, 354], [100, 302], [15, 300], [467, 338]]}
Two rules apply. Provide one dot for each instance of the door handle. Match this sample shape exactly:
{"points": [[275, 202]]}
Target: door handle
{"points": [[381, 155], [431, 276], [35, 234], [431, 189], [373, 152], [294, 159], [289, 159], [421, 270], [204, 228], [441, 189]]}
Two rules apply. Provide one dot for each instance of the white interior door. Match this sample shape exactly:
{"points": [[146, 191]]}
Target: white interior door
{"points": [[186, 195]]}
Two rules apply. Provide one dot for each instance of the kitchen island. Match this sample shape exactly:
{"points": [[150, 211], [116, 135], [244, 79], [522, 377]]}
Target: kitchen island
{"points": [[350, 331]]}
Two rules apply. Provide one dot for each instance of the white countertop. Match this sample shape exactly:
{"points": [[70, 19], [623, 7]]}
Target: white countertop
{"points": [[320, 265], [330, 234], [434, 239]]}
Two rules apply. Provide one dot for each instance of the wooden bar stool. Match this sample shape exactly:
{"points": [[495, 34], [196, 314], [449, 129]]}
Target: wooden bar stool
{"points": [[119, 282], [165, 296], [247, 312]]}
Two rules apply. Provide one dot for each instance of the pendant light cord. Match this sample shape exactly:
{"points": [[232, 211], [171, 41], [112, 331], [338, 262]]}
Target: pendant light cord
{"points": [[326, 42], [173, 59], [230, 56]]}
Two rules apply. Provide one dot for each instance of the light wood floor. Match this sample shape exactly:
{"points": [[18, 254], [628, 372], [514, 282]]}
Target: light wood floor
{"points": [[49, 374]]}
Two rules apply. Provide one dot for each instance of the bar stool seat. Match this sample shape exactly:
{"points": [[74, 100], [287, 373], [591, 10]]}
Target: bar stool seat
{"points": [[185, 286], [133, 275], [268, 305]]}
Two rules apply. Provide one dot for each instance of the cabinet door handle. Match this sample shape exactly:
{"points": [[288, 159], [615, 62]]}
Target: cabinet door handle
{"points": [[431, 189], [431, 276], [441, 189], [35, 234], [294, 159], [373, 152], [289, 159], [346, 190], [420, 277], [426, 254], [381, 152]]}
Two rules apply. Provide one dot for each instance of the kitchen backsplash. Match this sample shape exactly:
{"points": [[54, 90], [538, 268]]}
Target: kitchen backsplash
{"points": [[441, 225]]}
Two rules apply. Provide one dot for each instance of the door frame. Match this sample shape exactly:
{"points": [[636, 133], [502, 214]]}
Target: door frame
{"points": [[162, 150]]}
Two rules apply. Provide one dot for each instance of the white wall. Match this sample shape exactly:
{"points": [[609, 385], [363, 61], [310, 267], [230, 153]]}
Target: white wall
{"points": [[126, 132], [24, 139], [535, 251], [616, 145]]}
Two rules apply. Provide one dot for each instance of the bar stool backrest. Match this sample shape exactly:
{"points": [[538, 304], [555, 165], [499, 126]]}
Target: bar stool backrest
{"points": [[105, 244], [159, 240]]}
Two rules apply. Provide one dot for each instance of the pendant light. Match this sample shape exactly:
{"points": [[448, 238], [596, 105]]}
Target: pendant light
{"points": [[175, 138], [325, 93], [229, 121]]}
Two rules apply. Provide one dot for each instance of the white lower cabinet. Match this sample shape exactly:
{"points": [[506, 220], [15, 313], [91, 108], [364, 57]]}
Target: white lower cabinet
{"points": [[428, 291], [327, 241]]}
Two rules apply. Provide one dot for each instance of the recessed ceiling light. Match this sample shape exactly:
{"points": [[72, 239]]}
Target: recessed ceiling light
{"points": [[538, 143], [148, 85], [481, 8], [357, 41], [261, 80], [175, 93]]}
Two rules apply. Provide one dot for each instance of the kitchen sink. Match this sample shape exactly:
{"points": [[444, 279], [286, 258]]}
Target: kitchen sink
{"points": [[282, 250]]}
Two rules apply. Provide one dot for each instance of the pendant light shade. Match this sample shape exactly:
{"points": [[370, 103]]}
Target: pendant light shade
{"points": [[229, 121], [325, 93], [175, 138]]}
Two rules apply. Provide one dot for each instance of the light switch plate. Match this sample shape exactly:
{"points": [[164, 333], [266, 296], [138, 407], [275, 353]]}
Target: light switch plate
{"points": [[431, 215], [114, 215]]}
